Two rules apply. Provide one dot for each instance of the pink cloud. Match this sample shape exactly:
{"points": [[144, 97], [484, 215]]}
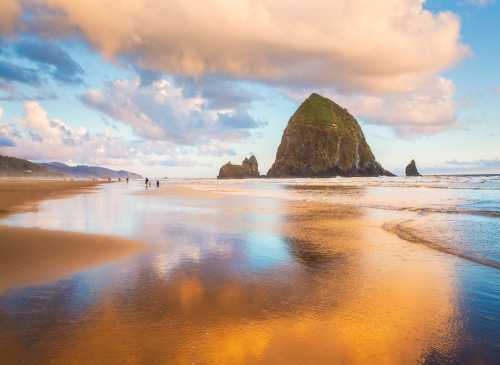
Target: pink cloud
{"points": [[10, 10], [387, 45]]}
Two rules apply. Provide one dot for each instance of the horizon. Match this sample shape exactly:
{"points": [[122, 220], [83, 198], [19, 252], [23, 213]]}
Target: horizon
{"points": [[140, 94]]}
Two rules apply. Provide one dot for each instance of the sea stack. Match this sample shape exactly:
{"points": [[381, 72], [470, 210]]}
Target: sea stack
{"points": [[411, 169], [323, 140], [249, 168]]}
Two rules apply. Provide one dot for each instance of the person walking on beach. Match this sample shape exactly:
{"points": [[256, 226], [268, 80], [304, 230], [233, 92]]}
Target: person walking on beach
{"points": [[157, 183], [146, 182], [127, 180]]}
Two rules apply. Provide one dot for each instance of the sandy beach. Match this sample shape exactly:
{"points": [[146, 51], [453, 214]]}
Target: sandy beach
{"points": [[18, 195], [235, 273], [30, 256]]}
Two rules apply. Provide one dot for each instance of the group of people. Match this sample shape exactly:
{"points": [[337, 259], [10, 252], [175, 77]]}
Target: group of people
{"points": [[148, 183]]}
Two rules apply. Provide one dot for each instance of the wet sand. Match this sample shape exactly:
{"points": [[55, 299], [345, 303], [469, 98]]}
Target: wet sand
{"points": [[234, 279], [18, 195], [30, 256]]}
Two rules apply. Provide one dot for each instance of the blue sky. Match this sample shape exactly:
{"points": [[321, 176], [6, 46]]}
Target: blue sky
{"points": [[173, 92]]}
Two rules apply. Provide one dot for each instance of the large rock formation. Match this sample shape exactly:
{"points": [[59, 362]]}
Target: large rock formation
{"points": [[322, 139], [248, 169], [411, 169]]}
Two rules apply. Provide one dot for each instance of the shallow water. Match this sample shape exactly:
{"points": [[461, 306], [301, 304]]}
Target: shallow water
{"points": [[272, 271]]}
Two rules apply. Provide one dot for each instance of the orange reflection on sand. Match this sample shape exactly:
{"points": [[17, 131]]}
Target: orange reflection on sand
{"points": [[353, 294]]}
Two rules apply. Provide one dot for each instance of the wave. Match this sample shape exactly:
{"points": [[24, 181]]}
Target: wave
{"points": [[410, 235], [423, 211]]}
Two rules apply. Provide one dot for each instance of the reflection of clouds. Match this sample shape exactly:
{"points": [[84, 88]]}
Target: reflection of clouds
{"points": [[164, 263], [388, 311], [178, 248], [193, 298]]}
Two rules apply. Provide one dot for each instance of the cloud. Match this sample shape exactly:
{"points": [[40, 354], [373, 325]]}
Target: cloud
{"points": [[428, 110], [10, 10], [47, 54], [12, 72], [36, 136], [386, 45], [388, 52], [161, 111], [425, 111], [40, 137], [482, 164], [218, 92]]}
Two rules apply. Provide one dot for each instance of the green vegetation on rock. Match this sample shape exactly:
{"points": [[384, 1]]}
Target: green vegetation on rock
{"points": [[323, 139]]}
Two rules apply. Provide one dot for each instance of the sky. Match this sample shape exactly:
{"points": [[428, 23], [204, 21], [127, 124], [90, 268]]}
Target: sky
{"points": [[177, 88]]}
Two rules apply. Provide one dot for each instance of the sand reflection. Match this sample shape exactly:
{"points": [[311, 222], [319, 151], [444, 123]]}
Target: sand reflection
{"points": [[346, 291]]}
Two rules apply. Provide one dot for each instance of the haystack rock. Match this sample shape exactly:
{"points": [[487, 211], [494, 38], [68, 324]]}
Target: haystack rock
{"points": [[411, 169], [322, 140], [249, 168]]}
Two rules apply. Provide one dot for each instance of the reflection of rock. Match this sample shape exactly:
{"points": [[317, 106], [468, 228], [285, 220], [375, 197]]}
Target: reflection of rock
{"points": [[322, 139], [411, 169], [248, 169], [314, 256]]}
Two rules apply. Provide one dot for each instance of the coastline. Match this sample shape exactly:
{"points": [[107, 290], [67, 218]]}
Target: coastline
{"points": [[21, 195], [238, 274], [31, 256], [411, 235]]}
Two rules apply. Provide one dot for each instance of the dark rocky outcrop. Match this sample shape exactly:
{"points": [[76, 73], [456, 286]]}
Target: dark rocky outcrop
{"points": [[322, 140], [249, 168], [411, 169]]}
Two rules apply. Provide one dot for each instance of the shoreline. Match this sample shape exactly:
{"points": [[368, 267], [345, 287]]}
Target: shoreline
{"points": [[411, 236], [22, 195], [288, 274], [31, 256]]}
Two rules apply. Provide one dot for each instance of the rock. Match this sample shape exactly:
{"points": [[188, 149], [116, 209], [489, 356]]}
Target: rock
{"points": [[248, 169], [411, 169], [322, 140]]}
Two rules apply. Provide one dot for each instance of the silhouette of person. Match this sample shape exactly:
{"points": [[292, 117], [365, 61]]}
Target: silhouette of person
{"points": [[157, 183]]}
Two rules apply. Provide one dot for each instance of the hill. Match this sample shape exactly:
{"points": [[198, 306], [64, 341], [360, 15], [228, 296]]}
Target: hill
{"points": [[88, 172], [17, 167]]}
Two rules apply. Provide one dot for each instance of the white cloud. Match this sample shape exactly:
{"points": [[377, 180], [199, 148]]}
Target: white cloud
{"points": [[427, 110], [385, 45], [383, 58], [161, 111], [37, 136]]}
